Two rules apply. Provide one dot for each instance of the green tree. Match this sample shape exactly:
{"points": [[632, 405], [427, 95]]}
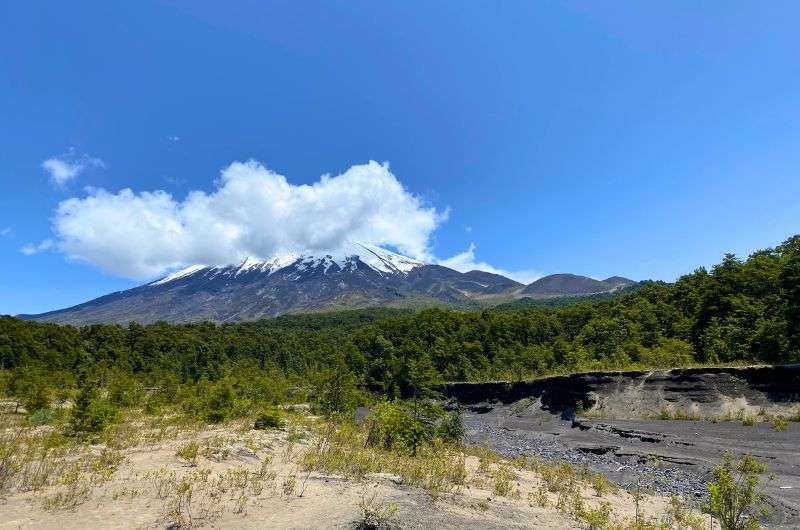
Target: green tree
{"points": [[89, 415]]}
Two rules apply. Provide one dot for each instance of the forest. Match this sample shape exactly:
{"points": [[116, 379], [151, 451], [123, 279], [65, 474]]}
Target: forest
{"points": [[738, 312]]}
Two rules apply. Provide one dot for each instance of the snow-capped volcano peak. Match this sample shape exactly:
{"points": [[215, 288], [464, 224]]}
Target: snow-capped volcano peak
{"points": [[380, 259], [345, 258]]}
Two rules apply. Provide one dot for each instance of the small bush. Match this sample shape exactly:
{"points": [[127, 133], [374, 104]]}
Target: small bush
{"points": [[679, 515], [601, 485], [220, 404], [152, 406], [736, 498], [44, 416], [374, 514], [188, 452], [90, 415], [503, 481], [268, 419], [598, 518]]}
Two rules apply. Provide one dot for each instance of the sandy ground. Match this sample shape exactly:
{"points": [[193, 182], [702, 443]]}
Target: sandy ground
{"points": [[138, 493]]}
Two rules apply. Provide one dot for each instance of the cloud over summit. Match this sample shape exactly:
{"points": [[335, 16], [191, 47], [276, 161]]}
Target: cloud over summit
{"points": [[252, 212]]}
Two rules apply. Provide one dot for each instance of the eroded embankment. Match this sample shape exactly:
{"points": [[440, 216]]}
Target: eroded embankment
{"points": [[629, 427], [705, 392]]}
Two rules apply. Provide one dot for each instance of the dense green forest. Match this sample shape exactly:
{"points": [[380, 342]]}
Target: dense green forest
{"points": [[740, 311]]}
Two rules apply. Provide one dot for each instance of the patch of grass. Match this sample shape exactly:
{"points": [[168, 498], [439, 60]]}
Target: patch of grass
{"points": [[343, 449]]}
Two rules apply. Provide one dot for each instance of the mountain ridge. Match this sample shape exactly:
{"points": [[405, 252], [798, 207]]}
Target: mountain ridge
{"points": [[357, 276]]}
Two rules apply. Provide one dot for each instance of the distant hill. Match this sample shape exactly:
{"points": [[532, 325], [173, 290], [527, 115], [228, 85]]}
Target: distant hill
{"points": [[572, 285], [562, 301], [619, 280]]}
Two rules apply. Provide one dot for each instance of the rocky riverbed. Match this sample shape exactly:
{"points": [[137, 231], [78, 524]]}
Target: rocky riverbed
{"points": [[619, 436]]}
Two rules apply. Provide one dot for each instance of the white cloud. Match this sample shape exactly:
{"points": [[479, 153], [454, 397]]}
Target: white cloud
{"points": [[468, 229], [6, 231], [66, 167], [252, 212], [466, 261], [31, 248]]}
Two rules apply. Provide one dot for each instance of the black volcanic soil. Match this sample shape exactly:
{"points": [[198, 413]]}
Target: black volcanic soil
{"points": [[669, 456]]}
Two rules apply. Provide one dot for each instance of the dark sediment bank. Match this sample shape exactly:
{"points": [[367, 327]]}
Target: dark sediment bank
{"points": [[621, 434]]}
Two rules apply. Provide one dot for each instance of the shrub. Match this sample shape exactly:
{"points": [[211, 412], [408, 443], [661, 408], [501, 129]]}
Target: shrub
{"points": [[735, 497], [90, 415], [220, 403], [678, 515], [452, 429], [44, 416], [598, 518], [123, 390], [268, 419], [601, 485], [374, 514], [503, 480], [152, 406], [188, 452]]}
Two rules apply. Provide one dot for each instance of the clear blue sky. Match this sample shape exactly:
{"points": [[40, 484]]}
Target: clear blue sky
{"points": [[635, 139]]}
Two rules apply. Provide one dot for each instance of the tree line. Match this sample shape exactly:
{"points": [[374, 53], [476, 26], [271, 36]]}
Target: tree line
{"points": [[738, 311]]}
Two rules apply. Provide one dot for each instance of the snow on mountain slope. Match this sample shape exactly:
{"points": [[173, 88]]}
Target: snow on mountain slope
{"points": [[345, 258], [179, 274]]}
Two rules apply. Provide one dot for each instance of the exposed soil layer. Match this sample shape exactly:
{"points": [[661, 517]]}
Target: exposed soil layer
{"points": [[620, 435]]}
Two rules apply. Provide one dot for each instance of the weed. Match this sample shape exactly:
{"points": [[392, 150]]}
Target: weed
{"points": [[678, 515], [289, 484]]}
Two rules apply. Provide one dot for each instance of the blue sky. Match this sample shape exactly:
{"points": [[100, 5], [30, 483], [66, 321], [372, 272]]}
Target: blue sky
{"points": [[631, 139]]}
